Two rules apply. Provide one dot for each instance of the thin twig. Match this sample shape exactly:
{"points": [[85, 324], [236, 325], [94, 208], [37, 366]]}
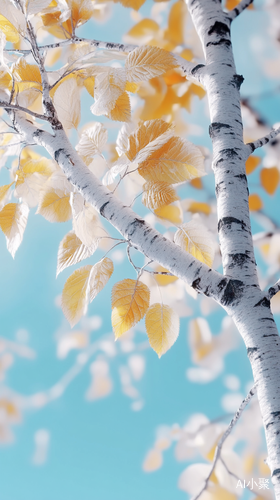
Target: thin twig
{"points": [[239, 9], [251, 146], [273, 290], [224, 437], [16, 107]]}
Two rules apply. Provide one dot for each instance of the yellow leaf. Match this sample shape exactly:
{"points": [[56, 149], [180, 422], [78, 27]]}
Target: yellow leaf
{"points": [[67, 103], [252, 163], [146, 133], [231, 4], [163, 279], [153, 460], [130, 301], [187, 54], [13, 220], [5, 81], [255, 202], [89, 85], [4, 190], [170, 213], [195, 238], [270, 179], [134, 4], [197, 90], [143, 28], [158, 194], [131, 87], [162, 325], [200, 339], [54, 205], [144, 63], [92, 142], [177, 22], [176, 161], [9, 30], [81, 11], [196, 183], [121, 111], [75, 294], [28, 167], [27, 75], [198, 206], [71, 251], [100, 275]]}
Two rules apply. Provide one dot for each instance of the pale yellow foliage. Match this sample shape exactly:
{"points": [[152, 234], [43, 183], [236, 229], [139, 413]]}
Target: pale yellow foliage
{"points": [[54, 205], [101, 273], [74, 299], [13, 220], [195, 238], [170, 213], [176, 161], [130, 301], [72, 250], [121, 112], [9, 30], [144, 63], [27, 76], [67, 103], [4, 191], [83, 286], [153, 460], [158, 194], [162, 325], [92, 142], [146, 133]]}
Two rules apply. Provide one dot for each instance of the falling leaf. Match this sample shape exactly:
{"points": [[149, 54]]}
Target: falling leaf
{"points": [[196, 183], [92, 142], [195, 238], [101, 273], [270, 179], [13, 220], [197, 206], [144, 63], [158, 194], [255, 202], [252, 163], [75, 295], [54, 205], [153, 461], [176, 161], [72, 250], [162, 325], [9, 30], [130, 301]]}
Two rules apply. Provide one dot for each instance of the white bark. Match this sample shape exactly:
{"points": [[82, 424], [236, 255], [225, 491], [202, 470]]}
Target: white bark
{"points": [[249, 308]]}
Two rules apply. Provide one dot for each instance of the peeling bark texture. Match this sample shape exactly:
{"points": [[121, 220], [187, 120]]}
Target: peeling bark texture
{"points": [[243, 300]]}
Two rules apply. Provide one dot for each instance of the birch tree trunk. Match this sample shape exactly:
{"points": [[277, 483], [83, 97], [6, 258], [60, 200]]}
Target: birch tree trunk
{"points": [[247, 305]]}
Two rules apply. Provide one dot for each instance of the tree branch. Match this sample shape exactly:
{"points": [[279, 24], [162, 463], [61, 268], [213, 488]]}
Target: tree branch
{"points": [[239, 9], [224, 437], [15, 107], [273, 290], [251, 146]]}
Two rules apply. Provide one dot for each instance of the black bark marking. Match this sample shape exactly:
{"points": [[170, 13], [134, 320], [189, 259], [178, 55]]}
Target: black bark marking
{"points": [[252, 146], [101, 211], [242, 177], [154, 238], [237, 81], [218, 188], [251, 351], [233, 291], [222, 284], [58, 153], [228, 221], [216, 127], [197, 68], [37, 133], [263, 302], [195, 284], [230, 153], [276, 472], [268, 319], [220, 29], [271, 335], [240, 260], [137, 223], [222, 41]]}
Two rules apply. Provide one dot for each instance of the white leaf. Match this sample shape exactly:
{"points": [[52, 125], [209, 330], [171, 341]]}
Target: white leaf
{"points": [[92, 142], [67, 103]]}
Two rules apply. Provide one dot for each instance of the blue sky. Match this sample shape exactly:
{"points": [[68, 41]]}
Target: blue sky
{"points": [[96, 449]]}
